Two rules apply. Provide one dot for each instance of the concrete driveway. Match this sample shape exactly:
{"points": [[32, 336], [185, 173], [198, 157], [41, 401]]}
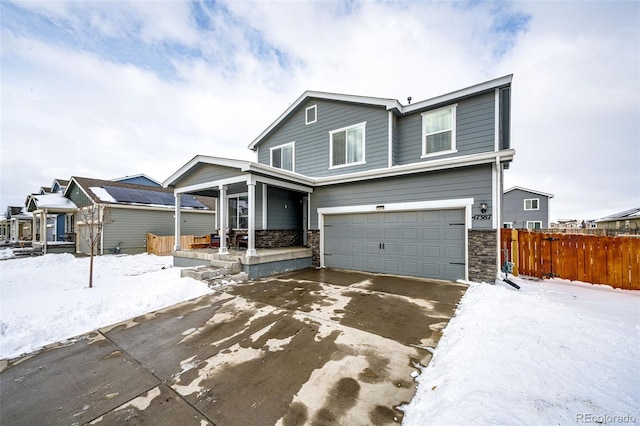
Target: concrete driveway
{"points": [[313, 347]]}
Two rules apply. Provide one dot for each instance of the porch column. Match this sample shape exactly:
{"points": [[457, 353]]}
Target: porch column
{"points": [[176, 245], [222, 202], [43, 223], [251, 243]]}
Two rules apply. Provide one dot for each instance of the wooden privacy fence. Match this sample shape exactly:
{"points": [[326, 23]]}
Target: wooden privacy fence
{"points": [[614, 261], [162, 245]]}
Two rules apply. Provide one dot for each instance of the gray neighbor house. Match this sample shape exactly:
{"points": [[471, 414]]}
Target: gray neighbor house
{"points": [[525, 209], [370, 184]]}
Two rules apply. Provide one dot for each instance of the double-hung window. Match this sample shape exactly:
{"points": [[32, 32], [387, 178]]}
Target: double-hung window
{"points": [[239, 211], [532, 204], [347, 146], [439, 131], [283, 156]]}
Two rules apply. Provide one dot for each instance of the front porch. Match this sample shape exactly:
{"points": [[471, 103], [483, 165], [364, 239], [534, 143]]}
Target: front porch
{"points": [[265, 261]]}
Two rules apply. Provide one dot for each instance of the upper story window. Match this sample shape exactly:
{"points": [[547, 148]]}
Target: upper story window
{"points": [[532, 204], [311, 114], [347, 146], [283, 156], [439, 131]]}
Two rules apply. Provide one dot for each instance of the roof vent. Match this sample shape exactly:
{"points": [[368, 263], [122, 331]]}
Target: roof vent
{"points": [[409, 99]]}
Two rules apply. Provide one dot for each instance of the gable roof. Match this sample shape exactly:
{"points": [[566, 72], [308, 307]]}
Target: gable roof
{"points": [[533, 191], [139, 175], [389, 104], [95, 190], [54, 201]]}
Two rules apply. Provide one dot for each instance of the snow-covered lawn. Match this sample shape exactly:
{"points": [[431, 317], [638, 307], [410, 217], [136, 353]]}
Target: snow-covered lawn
{"points": [[46, 299], [552, 353]]}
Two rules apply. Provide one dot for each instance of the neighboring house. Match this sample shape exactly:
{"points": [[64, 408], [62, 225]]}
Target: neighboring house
{"points": [[133, 211], [626, 221], [589, 224], [139, 179], [53, 217], [371, 184], [16, 225], [566, 224], [525, 208]]}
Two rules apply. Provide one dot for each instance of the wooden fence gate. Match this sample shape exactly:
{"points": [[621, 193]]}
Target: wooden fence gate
{"points": [[614, 261]]}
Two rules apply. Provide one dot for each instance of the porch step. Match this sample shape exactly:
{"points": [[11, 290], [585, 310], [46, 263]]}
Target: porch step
{"points": [[234, 266]]}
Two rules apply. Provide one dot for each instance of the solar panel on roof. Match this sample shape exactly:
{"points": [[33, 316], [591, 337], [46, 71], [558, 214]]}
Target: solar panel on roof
{"points": [[143, 196]]}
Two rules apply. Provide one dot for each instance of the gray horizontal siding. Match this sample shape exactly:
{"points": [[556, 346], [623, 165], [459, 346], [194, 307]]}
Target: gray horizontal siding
{"points": [[513, 209], [475, 127], [284, 209], [470, 182], [130, 227], [312, 141], [206, 173]]}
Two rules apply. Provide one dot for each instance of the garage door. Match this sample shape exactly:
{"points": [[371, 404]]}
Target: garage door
{"points": [[427, 243]]}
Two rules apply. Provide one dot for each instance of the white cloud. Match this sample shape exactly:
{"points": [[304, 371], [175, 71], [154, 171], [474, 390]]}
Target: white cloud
{"points": [[95, 88]]}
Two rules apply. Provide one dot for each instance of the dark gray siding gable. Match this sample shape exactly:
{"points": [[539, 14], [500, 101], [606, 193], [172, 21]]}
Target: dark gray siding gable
{"points": [[475, 127], [312, 140], [514, 212], [469, 182]]}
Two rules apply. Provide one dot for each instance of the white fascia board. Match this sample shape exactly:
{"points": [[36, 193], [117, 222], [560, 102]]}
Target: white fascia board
{"points": [[279, 183], [204, 159], [533, 191], [426, 166], [450, 97], [171, 208], [209, 185], [387, 103], [89, 197], [396, 207], [279, 173]]}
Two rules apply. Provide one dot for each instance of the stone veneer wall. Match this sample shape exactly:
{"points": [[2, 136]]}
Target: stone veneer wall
{"points": [[313, 242], [482, 255], [273, 238]]}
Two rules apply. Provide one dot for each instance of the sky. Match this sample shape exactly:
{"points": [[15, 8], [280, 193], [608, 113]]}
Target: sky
{"points": [[107, 89]]}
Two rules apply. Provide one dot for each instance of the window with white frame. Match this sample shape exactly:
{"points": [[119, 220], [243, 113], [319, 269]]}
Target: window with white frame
{"points": [[69, 224], [532, 204], [534, 224], [439, 131], [311, 114], [347, 146], [507, 225], [239, 211], [283, 156]]}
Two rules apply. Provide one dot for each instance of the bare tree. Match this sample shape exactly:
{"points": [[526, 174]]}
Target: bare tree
{"points": [[94, 218]]}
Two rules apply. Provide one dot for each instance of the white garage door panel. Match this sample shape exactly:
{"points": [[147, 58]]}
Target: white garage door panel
{"points": [[417, 243]]}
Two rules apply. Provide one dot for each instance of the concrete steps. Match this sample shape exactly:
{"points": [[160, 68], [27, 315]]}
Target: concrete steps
{"points": [[220, 272]]}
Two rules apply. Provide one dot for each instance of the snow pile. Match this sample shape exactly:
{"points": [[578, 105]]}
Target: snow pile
{"points": [[46, 299], [552, 353], [6, 253]]}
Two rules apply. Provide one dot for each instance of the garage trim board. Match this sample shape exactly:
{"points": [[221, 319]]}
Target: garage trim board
{"points": [[462, 203]]}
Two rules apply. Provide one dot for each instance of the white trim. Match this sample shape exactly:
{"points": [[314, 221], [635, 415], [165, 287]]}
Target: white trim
{"points": [[513, 188], [507, 225], [346, 139], [205, 159], [389, 104], [171, 208], [264, 206], [534, 222], [453, 148], [306, 116], [209, 185], [390, 140], [496, 120], [280, 147], [537, 200], [495, 185], [458, 203]]}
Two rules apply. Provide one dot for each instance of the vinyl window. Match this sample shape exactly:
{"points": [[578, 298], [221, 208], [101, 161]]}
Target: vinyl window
{"points": [[532, 204], [534, 224], [347, 146], [311, 114], [283, 156], [239, 211], [439, 131]]}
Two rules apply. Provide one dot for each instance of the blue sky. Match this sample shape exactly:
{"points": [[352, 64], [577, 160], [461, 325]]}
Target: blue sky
{"points": [[112, 88]]}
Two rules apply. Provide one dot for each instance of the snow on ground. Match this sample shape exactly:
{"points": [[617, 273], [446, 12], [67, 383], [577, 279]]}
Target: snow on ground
{"points": [[46, 299], [554, 352]]}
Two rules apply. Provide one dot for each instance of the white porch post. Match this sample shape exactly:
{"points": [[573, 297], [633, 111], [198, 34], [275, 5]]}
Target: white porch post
{"points": [[176, 245], [222, 202], [43, 222], [251, 243]]}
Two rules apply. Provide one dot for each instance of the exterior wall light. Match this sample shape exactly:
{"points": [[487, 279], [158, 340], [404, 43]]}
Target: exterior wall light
{"points": [[483, 207]]}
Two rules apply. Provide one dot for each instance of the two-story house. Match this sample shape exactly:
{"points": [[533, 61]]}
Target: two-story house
{"points": [[370, 184], [525, 208]]}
